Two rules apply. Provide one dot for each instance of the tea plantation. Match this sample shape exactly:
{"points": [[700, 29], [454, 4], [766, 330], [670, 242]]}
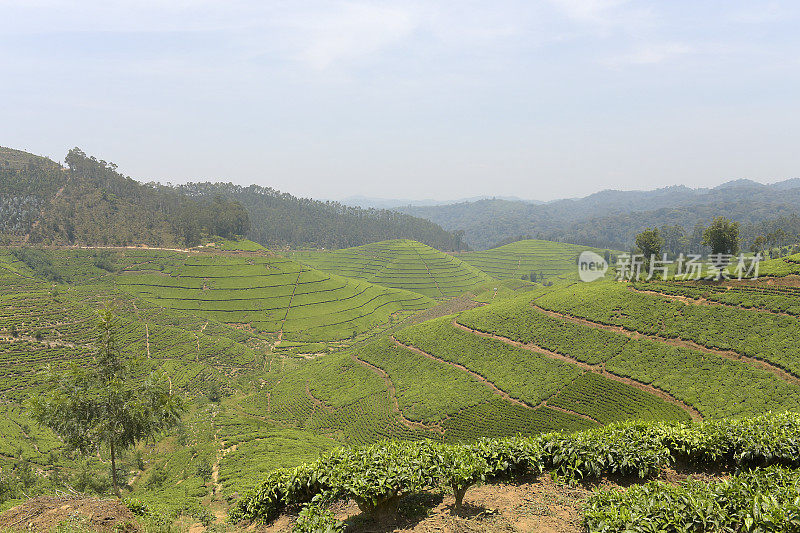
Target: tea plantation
{"points": [[534, 259], [325, 359], [401, 264]]}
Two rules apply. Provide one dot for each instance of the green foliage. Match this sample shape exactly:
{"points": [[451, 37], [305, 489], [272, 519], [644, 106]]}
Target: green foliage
{"points": [[281, 220], [775, 299], [400, 264], [462, 468], [649, 242], [220, 216], [608, 401], [761, 500], [739, 388], [524, 375], [530, 376], [104, 405], [37, 261], [269, 294], [536, 259], [764, 336], [722, 236], [427, 390], [90, 202], [315, 519], [204, 471], [376, 475]]}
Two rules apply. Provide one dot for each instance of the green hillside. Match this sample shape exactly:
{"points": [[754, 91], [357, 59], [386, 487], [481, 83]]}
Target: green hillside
{"points": [[281, 362], [523, 258], [252, 289], [761, 495], [90, 202], [401, 264]]}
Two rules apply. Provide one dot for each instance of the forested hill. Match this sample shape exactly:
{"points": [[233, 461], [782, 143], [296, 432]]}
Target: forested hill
{"points": [[611, 219], [89, 202], [280, 219]]}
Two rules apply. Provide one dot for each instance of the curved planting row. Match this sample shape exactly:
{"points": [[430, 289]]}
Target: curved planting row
{"points": [[401, 264], [272, 295], [523, 257], [773, 299], [761, 335], [714, 385], [534, 377]]}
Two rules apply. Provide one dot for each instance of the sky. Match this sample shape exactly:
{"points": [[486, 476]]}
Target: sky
{"points": [[538, 99]]}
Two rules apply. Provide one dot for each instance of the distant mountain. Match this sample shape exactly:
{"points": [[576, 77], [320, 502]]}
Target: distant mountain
{"points": [[392, 203], [90, 202], [612, 218]]}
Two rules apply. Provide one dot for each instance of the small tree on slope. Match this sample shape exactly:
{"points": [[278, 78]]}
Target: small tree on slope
{"points": [[107, 403]]}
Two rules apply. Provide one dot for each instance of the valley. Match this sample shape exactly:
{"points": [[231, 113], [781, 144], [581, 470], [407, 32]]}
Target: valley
{"points": [[284, 357]]}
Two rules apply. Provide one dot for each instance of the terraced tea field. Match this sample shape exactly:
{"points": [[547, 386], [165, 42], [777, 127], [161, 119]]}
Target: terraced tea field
{"points": [[783, 266], [269, 294], [400, 264], [301, 361], [251, 289], [545, 259]]}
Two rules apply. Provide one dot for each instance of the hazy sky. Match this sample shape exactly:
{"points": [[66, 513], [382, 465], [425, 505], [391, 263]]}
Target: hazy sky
{"points": [[428, 99]]}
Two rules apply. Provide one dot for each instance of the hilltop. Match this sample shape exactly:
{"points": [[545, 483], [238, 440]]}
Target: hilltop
{"points": [[90, 202], [533, 259], [401, 264]]}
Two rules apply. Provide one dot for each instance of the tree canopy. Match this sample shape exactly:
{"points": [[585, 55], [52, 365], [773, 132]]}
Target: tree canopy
{"points": [[109, 403], [650, 243], [722, 236]]}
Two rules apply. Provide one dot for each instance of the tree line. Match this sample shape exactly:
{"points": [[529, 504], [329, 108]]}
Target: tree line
{"points": [[90, 202]]}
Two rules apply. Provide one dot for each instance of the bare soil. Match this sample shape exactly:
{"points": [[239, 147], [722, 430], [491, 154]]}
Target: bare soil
{"points": [[532, 505], [46, 512]]}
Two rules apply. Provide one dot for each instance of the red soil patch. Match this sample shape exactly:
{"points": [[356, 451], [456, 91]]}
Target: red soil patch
{"points": [[47, 512]]}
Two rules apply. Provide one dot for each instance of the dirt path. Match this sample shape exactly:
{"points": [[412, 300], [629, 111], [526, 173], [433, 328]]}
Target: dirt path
{"points": [[289, 306], [436, 284], [319, 403], [392, 393], [26, 435], [710, 303], [598, 369], [472, 373], [678, 343], [491, 385], [50, 343], [147, 338]]}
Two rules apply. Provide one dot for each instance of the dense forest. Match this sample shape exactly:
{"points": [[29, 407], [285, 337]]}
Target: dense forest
{"points": [[612, 219], [280, 219], [89, 202]]}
